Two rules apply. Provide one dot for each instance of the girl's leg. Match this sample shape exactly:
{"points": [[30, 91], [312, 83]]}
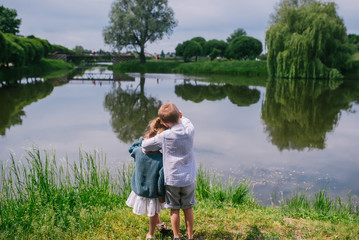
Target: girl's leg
{"points": [[158, 219], [153, 223]]}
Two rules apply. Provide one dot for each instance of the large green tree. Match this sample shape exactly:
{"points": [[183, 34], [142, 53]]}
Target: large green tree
{"points": [[9, 23], [215, 48], [307, 39], [133, 23], [239, 32], [244, 48]]}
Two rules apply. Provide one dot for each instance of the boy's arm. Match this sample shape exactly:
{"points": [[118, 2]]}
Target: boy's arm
{"points": [[152, 144], [187, 124]]}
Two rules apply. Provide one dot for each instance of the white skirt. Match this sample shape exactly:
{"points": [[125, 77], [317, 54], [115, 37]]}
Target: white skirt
{"points": [[143, 205]]}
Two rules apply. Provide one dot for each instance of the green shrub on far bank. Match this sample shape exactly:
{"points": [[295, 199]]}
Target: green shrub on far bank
{"points": [[247, 68]]}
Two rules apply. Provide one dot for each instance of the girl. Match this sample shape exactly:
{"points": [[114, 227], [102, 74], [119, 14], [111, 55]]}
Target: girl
{"points": [[147, 181]]}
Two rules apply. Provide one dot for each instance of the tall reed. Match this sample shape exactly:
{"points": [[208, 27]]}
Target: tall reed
{"points": [[212, 188], [320, 206], [39, 197]]}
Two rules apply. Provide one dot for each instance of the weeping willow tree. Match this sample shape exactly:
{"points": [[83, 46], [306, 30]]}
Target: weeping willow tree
{"points": [[306, 39]]}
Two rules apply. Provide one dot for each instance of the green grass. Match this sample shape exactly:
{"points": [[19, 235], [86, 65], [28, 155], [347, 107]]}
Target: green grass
{"points": [[46, 68], [320, 206], [355, 57], [151, 66], [247, 68], [42, 199], [216, 191]]}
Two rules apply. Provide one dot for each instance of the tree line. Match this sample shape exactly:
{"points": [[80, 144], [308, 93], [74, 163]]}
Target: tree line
{"points": [[19, 50], [238, 46]]}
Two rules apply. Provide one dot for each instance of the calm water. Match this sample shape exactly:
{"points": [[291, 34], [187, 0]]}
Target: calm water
{"points": [[284, 136]]}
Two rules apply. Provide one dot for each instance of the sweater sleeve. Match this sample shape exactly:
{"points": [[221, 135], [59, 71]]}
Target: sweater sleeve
{"points": [[161, 184], [135, 145]]}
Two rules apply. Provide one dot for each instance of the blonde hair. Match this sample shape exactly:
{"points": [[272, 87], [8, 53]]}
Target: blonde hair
{"points": [[154, 127], [169, 113]]}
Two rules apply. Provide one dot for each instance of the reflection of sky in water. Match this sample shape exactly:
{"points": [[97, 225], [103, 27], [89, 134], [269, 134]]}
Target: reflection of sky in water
{"points": [[229, 139]]}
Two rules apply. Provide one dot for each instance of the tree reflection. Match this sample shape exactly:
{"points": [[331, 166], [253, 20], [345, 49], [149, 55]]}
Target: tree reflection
{"points": [[239, 95], [130, 111], [298, 113], [13, 99]]}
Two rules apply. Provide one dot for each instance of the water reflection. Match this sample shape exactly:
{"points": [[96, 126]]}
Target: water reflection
{"points": [[13, 99], [239, 95], [131, 110], [299, 113]]}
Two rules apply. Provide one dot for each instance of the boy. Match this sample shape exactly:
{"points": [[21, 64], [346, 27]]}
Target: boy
{"points": [[179, 165]]}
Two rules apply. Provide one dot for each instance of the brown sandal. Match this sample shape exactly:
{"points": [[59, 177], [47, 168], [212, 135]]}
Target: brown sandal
{"points": [[162, 228]]}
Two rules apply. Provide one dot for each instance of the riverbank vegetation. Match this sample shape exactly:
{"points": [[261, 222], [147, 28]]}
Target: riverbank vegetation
{"points": [[48, 198], [44, 68], [24, 51], [203, 66]]}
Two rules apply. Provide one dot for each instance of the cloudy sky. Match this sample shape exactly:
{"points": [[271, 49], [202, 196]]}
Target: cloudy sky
{"points": [[80, 22]]}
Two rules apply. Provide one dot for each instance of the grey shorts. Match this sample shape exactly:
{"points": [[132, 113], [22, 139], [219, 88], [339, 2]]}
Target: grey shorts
{"points": [[180, 197]]}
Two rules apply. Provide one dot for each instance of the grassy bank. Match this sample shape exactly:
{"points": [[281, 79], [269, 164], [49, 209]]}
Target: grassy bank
{"points": [[41, 199], [151, 66], [246, 68], [353, 73], [48, 68], [204, 66]]}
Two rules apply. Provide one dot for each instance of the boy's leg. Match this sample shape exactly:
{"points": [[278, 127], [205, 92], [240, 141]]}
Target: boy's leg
{"points": [[175, 221], [189, 219]]}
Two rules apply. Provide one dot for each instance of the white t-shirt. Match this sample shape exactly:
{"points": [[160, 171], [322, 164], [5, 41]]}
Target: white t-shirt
{"points": [[179, 165]]}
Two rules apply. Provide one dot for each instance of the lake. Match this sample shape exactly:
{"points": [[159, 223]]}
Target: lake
{"points": [[284, 136]]}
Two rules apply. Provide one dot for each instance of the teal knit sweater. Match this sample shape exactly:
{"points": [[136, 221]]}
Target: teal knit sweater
{"points": [[147, 179]]}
